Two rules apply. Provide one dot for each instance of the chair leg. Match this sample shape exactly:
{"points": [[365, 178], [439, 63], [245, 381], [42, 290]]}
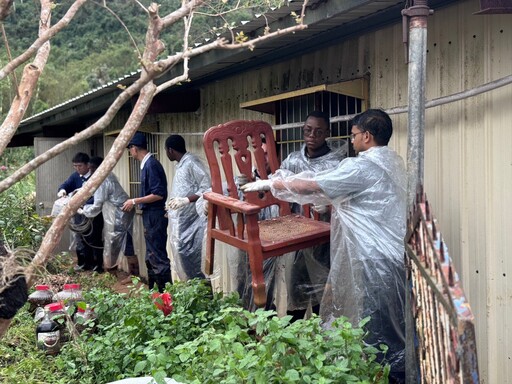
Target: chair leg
{"points": [[258, 280], [209, 259]]}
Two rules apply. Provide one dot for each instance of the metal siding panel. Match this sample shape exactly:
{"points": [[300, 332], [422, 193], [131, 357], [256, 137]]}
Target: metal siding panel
{"points": [[498, 54], [467, 152]]}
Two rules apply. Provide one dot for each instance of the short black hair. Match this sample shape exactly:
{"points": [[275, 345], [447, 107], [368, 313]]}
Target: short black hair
{"points": [[377, 122], [80, 157], [96, 161], [320, 115], [176, 142]]}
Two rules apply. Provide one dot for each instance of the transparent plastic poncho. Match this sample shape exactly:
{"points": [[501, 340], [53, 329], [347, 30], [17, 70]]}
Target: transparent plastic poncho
{"points": [[108, 199], [186, 227], [307, 269], [367, 276]]}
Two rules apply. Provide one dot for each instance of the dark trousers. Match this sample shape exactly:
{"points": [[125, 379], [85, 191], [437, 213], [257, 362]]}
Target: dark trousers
{"points": [[157, 261], [129, 250], [93, 244]]}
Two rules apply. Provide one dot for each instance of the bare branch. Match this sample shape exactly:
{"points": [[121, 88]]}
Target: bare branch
{"points": [[179, 14], [25, 56], [87, 133], [54, 233], [9, 56], [104, 5], [28, 83], [250, 44]]}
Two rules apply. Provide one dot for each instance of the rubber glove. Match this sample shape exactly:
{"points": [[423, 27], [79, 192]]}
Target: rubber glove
{"points": [[178, 202], [258, 185], [241, 180], [61, 193], [321, 209]]}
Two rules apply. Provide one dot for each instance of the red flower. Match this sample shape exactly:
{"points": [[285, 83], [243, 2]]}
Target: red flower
{"points": [[163, 301]]}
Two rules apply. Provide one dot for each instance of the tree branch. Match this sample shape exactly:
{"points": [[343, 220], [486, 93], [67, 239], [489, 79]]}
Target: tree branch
{"points": [[25, 56], [54, 233], [28, 83]]}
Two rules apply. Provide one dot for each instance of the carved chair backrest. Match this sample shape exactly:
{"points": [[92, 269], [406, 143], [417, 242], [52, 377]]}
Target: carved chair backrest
{"points": [[237, 145]]}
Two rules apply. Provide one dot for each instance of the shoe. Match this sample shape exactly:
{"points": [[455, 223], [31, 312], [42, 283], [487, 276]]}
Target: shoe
{"points": [[97, 269], [79, 268]]}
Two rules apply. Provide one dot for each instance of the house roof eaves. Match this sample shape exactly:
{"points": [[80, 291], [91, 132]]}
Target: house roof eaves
{"points": [[322, 16]]}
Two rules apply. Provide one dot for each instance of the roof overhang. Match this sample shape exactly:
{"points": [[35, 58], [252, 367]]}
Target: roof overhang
{"points": [[328, 21]]}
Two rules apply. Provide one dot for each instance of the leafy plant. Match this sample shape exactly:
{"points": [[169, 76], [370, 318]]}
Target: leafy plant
{"points": [[207, 338], [20, 225]]}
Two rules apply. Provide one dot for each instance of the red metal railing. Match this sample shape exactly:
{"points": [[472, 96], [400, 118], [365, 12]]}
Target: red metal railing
{"points": [[444, 323]]}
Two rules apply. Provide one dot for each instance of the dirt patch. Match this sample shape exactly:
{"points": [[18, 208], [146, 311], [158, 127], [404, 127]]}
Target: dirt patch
{"points": [[124, 282]]}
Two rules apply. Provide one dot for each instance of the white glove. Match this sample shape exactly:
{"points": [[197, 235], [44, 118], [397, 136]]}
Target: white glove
{"points": [[241, 180], [61, 193], [258, 185], [80, 211], [321, 209], [178, 202]]}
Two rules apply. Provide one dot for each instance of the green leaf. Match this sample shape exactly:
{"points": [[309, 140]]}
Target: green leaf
{"points": [[292, 375], [139, 367]]}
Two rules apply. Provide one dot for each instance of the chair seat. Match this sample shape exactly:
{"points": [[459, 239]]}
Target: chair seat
{"points": [[281, 235], [290, 230]]}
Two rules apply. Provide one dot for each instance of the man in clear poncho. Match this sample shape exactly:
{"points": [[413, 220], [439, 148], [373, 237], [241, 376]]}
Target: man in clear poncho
{"points": [[308, 269], [191, 179], [109, 198], [368, 196]]}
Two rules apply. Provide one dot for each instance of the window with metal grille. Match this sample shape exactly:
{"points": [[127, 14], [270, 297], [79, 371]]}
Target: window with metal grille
{"points": [[290, 110], [134, 165], [296, 109]]}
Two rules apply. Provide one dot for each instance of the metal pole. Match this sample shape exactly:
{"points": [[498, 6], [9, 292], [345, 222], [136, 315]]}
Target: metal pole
{"points": [[417, 53], [416, 37]]}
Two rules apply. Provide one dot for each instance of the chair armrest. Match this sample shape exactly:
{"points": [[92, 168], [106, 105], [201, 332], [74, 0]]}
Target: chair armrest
{"points": [[232, 204]]}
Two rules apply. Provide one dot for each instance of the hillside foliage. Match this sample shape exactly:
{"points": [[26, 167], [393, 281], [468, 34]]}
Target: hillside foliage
{"points": [[96, 48]]}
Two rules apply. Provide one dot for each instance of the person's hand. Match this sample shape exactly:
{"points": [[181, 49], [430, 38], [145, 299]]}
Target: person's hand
{"points": [[61, 193], [128, 205], [80, 211], [178, 202], [241, 180], [321, 209], [258, 185]]}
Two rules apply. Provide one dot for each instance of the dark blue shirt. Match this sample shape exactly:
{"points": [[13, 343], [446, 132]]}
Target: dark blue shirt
{"points": [[73, 182], [153, 181]]}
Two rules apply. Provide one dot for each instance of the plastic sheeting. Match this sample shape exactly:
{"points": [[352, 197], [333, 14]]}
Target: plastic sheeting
{"points": [[307, 269], [186, 227], [241, 276], [367, 277], [109, 198]]}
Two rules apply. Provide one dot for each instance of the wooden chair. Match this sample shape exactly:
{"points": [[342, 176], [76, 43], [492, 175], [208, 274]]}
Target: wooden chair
{"points": [[231, 146]]}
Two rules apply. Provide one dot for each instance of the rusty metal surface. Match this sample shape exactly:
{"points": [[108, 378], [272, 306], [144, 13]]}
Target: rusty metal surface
{"points": [[444, 323]]}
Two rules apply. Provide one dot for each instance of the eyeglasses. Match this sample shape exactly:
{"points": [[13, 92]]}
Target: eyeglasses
{"points": [[353, 135], [313, 132]]}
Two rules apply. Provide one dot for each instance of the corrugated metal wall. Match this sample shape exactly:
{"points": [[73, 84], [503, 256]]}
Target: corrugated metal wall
{"points": [[468, 156]]}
